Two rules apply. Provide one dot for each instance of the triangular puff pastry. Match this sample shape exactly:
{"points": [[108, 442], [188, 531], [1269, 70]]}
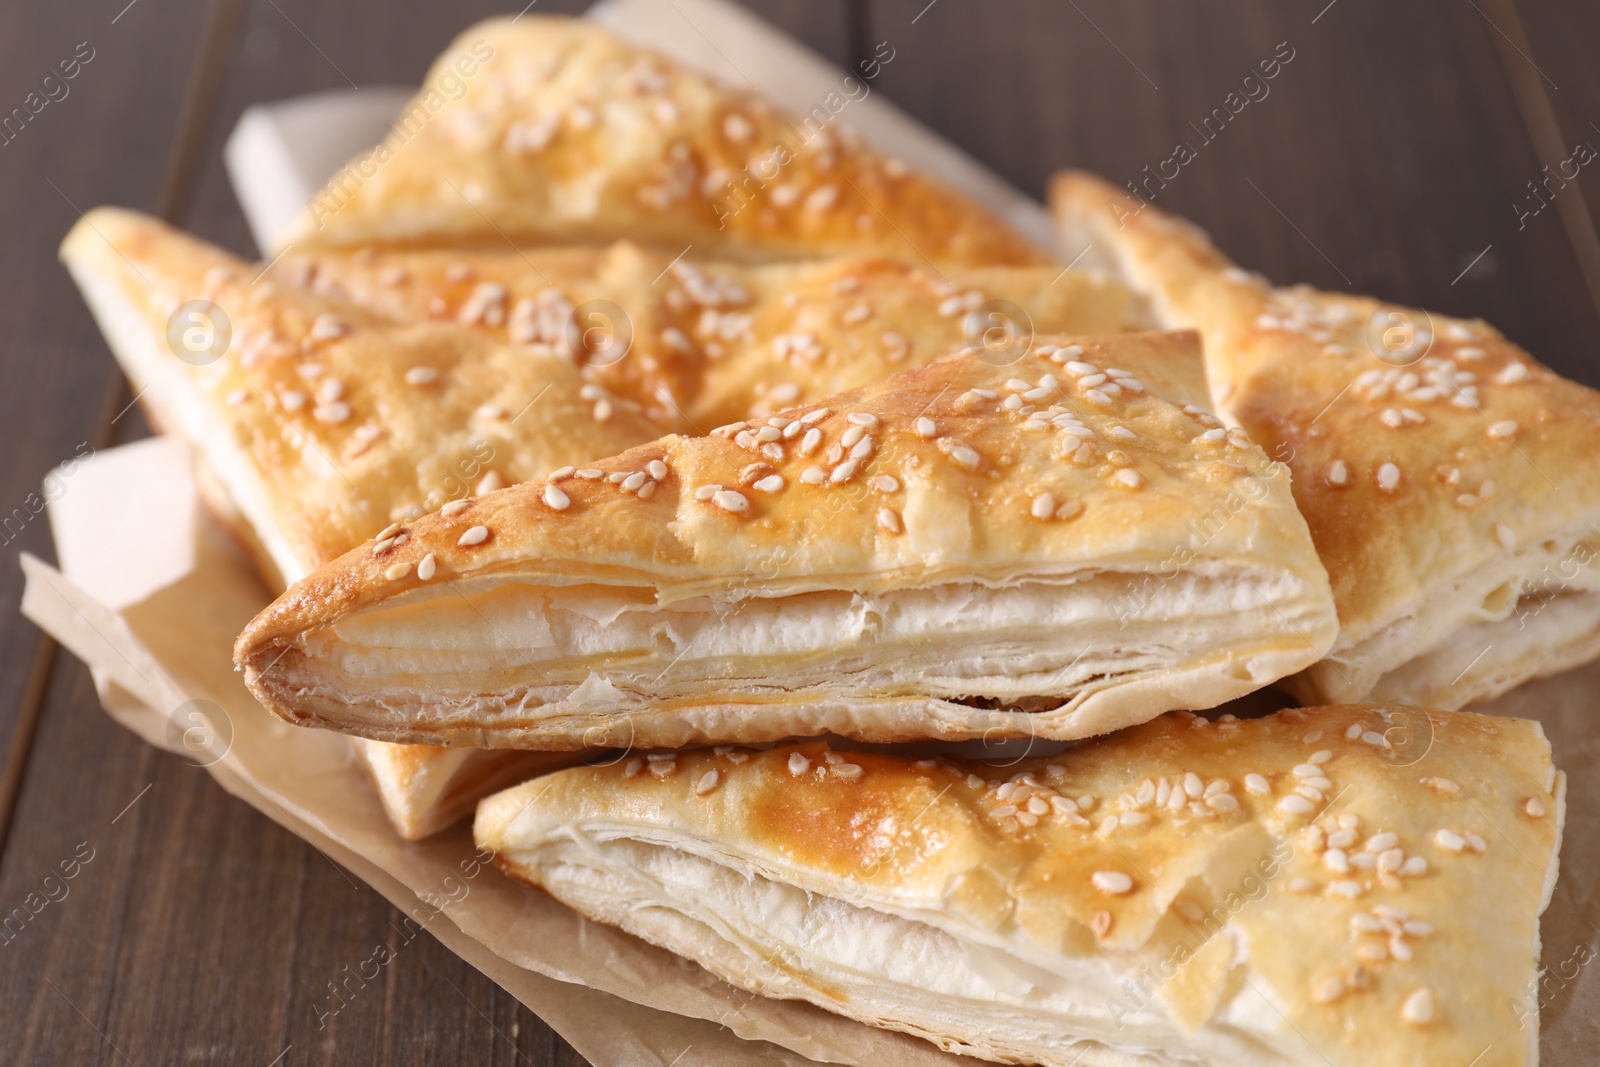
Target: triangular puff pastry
{"points": [[1326, 887], [963, 550], [318, 424], [1448, 478], [547, 130], [701, 344]]}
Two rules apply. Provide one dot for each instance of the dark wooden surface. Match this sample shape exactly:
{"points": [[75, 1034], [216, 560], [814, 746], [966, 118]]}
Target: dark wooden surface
{"points": [[1392, 154]]}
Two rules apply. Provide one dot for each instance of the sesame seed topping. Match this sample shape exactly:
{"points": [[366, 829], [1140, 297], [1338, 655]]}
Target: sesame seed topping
{"points": [[845, 770], [811, 417], [889, 519], [1295, 804], [428, 567], [396, 571], [1502, 431], [884, 483], [707, 782], [810, 441], [729, 500], [1128, 477], [657, 470], [325, 327], [474, 536], [633, 481], [1111, 883], [925, 428], [1388, 477], [862, 418], [336, 412], [1449, 840], [1044, 506], [1504, 535], [1418, 1007], [454, 508], [813, 476], [1255, 783], [1534, 808], [554, 497], [798, 764], [770, 484]]}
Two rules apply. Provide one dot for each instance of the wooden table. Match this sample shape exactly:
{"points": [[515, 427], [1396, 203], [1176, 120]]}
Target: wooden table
{"points": [[1399, 150]]}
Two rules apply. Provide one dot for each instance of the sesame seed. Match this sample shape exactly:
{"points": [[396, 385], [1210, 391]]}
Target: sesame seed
{"points": [[1296, 805], [811, 417], [1327, 990], [1504, 535], [556, 498], [325, 327], [633, 481], [1111, 883], [798, 764], [925, 428], [1502, 431], [1336, 860], [477, 535], [1382, 842], [813, 476], [1223, 803], [1098, 397], [884, 483], [633, 768], [889, 519], [1418, 1007], [1353, 731], [810, 441], [729, 500], [491, 481], [428, 567], [1388, 477], [1321, 756], [770, 484], [851, 436], [395, 571], [960, 454], [1346, 887], [1338, 472], [336, 412], [707, 782], [1044, 506], [862, 418], [1128, 477], [662, 768], [657, 470], [589, 473], [1255, 783], [1534, 807], [454, 508], [561, 472], [1449, 840], [845, 770]]}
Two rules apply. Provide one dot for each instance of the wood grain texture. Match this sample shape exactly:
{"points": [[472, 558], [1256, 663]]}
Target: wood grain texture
{"points": [[1382, 158], [1386, 156]]}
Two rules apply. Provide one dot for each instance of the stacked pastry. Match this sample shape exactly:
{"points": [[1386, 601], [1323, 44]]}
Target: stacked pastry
{"points": [[803, 534]]}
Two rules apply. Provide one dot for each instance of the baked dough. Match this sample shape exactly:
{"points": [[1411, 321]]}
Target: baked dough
{"points": [[425, 789], [1047, 548], [320, 422], [1338, 887], [1448, 478], [548, 130], [701, 344]]}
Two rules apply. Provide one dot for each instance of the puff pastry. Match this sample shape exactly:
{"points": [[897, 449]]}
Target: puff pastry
{"points": [[318, 424], [1339, 887], [1447, 477], [547, 130], [1047, 548], [700, 344], [426, 788]]}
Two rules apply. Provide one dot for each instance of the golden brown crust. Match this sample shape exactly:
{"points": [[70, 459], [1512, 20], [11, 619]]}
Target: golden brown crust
{"points": [[1347, 857], [327, 423], [1426, 471], [1059, 468], [546, 130], [708, 343]]}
